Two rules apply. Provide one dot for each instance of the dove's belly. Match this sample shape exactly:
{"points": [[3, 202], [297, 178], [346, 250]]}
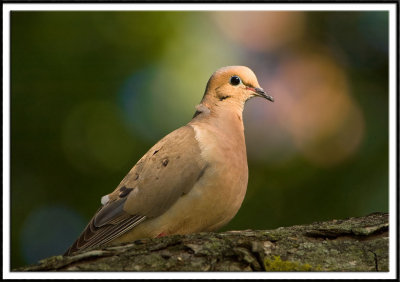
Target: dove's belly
{"points": [[211, 203]]}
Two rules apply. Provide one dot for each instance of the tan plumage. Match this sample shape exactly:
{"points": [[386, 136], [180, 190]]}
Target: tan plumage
{"points": [[192, 180]]}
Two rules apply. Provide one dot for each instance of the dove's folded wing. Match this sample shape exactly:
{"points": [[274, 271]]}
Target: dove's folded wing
{"points": [[166, 172]]}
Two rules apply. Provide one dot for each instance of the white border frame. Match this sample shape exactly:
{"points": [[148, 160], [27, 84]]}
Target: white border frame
{"points": [[390, 7]]}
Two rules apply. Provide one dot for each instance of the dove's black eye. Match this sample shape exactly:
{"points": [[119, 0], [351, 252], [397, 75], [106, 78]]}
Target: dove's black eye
{"points": [[235, 80]]}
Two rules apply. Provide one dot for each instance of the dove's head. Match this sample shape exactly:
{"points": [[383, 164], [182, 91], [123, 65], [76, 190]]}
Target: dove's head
{"points": [[234, 84]]}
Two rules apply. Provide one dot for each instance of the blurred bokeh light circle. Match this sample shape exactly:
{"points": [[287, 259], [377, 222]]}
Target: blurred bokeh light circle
{"points": [[156, 98], [150, 103], [94, 138], [316, 108], [261, 31], [48, 231]]}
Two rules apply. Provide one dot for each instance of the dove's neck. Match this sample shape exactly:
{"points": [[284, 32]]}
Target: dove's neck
{"points": [[220, 133], [224, 116], [229, 118]]}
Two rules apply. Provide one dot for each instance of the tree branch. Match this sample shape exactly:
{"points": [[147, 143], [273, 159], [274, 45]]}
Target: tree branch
{"points": [[354, 244]]}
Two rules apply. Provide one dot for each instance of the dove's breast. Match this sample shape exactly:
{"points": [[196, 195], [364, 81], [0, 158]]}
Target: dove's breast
{"points": [[224, 182]]}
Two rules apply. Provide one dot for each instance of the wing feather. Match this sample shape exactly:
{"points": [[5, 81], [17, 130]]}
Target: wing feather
{"points": [[100, 232], [166, 172]]}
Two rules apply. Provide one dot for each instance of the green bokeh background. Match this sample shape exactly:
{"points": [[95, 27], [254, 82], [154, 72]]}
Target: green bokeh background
{"points": [[91, 92]]}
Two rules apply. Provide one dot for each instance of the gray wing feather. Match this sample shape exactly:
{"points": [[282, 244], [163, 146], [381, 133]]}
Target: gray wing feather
{"points": [[108, 223]]}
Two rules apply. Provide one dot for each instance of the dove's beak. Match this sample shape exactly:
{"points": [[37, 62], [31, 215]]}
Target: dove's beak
{"points": [[261, 93]]}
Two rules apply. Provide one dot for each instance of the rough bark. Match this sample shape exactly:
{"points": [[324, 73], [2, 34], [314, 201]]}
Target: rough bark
{"points": [[354, 244]]}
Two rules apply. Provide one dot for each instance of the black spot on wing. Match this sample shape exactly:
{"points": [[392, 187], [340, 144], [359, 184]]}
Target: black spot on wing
{"points": [[124, 191]]}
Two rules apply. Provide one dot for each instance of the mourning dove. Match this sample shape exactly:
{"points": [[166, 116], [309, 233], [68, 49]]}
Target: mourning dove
{"points": [[194, 179]]}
